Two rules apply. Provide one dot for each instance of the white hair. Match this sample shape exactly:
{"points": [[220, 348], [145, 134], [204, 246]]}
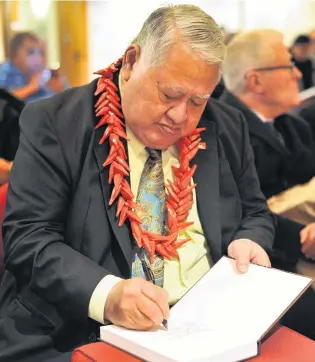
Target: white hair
{"points": [[245, 52], [188, 23]]}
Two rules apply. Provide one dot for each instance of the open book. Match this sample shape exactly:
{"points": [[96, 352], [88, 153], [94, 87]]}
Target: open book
{"points": [[222, 318], [307, 94]]}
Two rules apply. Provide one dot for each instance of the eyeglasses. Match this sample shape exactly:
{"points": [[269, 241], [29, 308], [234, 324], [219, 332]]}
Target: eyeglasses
{"points": [[290, 67]]}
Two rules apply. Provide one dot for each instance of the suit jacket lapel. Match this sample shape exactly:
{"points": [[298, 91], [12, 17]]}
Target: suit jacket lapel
{"points": [[259, 129], [123, 233], [255, 125], [208, 190]]}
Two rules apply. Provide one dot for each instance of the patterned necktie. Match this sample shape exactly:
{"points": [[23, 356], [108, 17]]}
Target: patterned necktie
{"points": [[151, 197]]}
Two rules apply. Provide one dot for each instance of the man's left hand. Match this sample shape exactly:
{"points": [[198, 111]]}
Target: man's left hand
{"points": [[245, 251], [308, 241]]}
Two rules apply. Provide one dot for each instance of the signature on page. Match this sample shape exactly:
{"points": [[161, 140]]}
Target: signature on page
{"points": [[187, 330]]}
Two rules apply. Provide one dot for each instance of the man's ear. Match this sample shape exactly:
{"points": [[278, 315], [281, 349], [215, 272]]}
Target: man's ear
{"points": [[131, 57], [254, 83]]}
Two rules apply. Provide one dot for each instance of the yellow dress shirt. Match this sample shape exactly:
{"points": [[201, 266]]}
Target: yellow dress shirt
{"points": [[194, 257]]}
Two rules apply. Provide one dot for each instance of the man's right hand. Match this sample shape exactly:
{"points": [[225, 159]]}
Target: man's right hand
{"points": [[308, 241], [31, 88], [34, 83], [136, 304]]}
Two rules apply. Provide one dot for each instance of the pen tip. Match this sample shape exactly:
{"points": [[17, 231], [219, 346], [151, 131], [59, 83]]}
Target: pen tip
{"points": [[165, 325]]}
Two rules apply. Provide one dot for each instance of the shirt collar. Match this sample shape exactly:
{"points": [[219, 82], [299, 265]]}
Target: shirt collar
{"points": [[262, 117], [137, 147]]}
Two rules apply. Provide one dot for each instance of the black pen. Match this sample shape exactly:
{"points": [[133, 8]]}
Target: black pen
{"points": [[164, 323], [150, 278]]}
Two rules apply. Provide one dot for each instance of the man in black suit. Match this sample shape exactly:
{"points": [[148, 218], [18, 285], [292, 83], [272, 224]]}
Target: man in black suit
{"points": [[263, 84], [68, 262], [306, 110], [284, 148]]}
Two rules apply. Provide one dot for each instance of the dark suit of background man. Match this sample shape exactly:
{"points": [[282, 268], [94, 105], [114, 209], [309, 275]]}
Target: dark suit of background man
{"points": [[68, 263], [306, 110], [262, 83], [10, 109]]}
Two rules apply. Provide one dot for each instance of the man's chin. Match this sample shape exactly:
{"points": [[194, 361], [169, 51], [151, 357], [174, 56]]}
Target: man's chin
{"points": [[297, 102], [157, 141]]}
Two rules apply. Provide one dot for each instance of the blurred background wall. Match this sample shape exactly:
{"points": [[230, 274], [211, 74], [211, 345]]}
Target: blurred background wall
{"points": [[83, 36]]}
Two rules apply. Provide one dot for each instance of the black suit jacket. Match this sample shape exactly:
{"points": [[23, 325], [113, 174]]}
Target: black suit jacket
{"points": [[306, 111], [10, 109], [278, 167], [61, 237]]}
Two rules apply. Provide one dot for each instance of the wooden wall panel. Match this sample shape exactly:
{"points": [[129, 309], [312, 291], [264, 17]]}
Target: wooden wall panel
{"points": [[73, 40]]}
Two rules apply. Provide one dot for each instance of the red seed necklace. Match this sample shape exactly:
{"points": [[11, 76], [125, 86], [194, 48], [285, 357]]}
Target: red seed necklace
{"points": [[179, 198]]}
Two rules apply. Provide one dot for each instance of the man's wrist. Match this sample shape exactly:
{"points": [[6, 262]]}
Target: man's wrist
{"points": [[99, 297]]}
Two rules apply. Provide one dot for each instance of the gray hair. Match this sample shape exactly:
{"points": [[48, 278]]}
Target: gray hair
{"points": [[188, 23], [247, 51]]}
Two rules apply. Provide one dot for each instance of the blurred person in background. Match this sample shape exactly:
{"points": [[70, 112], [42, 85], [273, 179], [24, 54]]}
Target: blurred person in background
{"points": [[312, 36], [262, 82], [25, 73], [306, 109], [301, 55]]}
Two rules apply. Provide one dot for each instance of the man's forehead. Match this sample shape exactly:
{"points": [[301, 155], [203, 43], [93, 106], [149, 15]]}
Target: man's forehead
{"points": [[182, 90], [30, 43]]}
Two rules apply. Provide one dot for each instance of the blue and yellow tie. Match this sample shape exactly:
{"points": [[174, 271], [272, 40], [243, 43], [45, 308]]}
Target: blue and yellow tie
{"points": [[151, 197]]}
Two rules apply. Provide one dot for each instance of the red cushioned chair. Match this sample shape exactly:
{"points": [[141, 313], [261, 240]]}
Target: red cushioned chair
{"points": [[3, 196], [284, 345]]}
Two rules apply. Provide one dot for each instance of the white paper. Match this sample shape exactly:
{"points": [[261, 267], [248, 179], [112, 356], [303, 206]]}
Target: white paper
{"points": [[225, 311], [307, 94]]}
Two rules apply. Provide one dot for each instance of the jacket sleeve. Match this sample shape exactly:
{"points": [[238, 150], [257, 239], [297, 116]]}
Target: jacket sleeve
{"points": [[39, 195], [258, 223], [12, 134]]}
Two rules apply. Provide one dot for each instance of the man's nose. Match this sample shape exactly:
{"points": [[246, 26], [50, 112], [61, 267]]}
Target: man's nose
{"points": [[297, 74], [178, 113]]}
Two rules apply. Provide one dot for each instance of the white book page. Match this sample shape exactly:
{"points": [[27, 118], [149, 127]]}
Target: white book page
{"points": [[189, 342], [224, 311], [307, 94], [245, 304]]}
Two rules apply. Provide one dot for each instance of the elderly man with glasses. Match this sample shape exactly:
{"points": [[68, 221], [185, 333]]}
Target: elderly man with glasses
{"points": [[263, 83]]}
